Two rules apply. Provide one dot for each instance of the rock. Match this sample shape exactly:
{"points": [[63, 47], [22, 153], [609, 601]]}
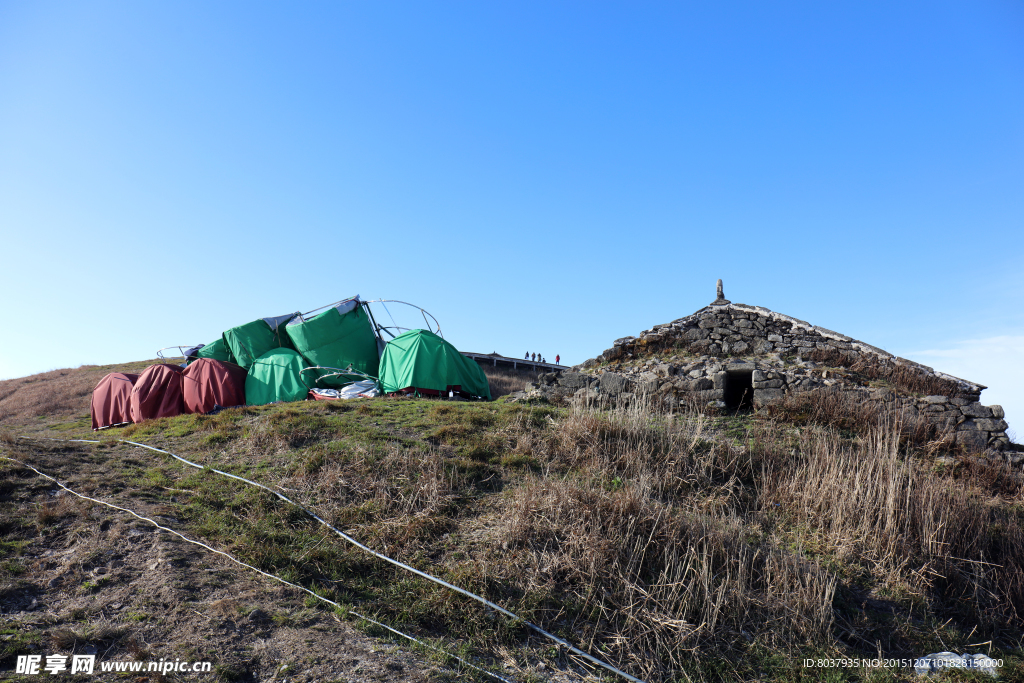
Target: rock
{"points": [[613, 353], [763, 396], [622, 341], [931, 400], [573, 380], [612, 383], [997, 412], [740, 347], [758, 376], [971, 440], [695, 334], [991, 425], [976, 410]]}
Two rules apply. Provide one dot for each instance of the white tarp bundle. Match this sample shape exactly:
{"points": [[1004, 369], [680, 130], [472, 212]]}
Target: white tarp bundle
{"points": [[364, 389]]}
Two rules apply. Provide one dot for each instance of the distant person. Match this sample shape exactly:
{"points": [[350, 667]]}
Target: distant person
{"points": [[527, 356], [533, 357], [557, 358]]}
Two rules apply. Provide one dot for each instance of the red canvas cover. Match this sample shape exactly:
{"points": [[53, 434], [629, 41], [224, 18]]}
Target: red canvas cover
{"points": [[157, 393], [110, 404], [318, 397], [209, 383]]}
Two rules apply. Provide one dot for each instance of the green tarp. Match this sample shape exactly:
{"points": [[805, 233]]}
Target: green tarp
{"points": [[276, 376], [250, 341], [217, 350], [423, 361], [337, 338]]}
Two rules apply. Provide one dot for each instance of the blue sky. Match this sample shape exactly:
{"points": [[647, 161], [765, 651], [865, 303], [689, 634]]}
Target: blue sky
{"points": [[540, 176]]}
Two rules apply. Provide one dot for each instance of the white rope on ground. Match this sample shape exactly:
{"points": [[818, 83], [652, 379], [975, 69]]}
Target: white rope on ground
{"points": [[402, 565], [249, 566]]}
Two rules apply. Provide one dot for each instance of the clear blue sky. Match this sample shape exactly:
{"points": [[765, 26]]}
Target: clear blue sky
{"points": [[540, 176]]}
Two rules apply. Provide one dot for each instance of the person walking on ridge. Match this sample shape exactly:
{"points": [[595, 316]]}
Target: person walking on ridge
{"points": [[557, 357]]}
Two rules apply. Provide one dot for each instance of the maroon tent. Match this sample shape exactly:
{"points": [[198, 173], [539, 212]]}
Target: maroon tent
{"points": [[208, 384], [110, 405], [157, 393]]}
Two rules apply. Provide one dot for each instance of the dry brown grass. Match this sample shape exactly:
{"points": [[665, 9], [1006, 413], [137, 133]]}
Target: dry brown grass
{"points": [[842, 410], [944, 538], [504, 381], [57, 393], [682, 544], [651, 532], [904, 377]]}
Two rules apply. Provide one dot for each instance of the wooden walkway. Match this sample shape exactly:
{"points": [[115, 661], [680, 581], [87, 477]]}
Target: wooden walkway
{"points": [[499, 361]]}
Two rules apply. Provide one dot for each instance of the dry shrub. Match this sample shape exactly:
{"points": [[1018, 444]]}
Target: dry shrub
{"points": [[836, 408], [504, 381], [665, 583], [649, 535], [906, 377], [942, 535]]}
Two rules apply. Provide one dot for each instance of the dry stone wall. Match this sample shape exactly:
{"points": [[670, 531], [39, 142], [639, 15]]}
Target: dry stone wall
{"points": [[724, 350]]}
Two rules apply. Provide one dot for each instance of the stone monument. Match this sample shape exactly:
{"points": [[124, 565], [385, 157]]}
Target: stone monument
{"points": [[721, 300]]}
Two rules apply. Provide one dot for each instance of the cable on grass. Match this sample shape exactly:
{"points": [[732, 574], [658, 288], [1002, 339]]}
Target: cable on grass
{"points": [[255, 569], [573, 649]]}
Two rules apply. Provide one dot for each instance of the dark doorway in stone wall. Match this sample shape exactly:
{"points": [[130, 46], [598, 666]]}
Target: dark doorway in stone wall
{"points": [[739, 390]]}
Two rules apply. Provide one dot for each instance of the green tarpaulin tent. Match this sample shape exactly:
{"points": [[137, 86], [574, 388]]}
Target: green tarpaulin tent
{"points": [[217, 350], [276, 376], [250, 341], [420, 361], [338, 337]]}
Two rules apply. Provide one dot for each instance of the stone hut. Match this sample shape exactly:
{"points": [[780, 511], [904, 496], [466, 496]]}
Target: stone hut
{"points": [[733, 356]]}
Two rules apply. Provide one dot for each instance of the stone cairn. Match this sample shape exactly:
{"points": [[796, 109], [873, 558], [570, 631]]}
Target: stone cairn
{"points": [[690, 361]]}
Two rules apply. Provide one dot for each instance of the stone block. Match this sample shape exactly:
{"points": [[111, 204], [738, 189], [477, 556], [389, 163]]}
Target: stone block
{"points": [[650, 386], [997, 412], [573, 380], [709, 395], [935, 399], [719, 380], [739, 347], [613, 353], [972, 440], [976, 410], [758, 376], [612, 383], [742, 323], [695, 333], [991, 425], [763, 396], [775, 338]]}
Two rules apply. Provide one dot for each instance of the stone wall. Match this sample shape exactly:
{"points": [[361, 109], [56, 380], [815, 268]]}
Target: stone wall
{"points": [[694, 360]]}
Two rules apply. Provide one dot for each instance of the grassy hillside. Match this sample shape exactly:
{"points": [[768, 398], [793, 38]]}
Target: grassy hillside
{"points": [[675, 546]]}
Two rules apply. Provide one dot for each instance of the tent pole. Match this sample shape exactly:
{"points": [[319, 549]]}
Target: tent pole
{"points": [[376, 327]]}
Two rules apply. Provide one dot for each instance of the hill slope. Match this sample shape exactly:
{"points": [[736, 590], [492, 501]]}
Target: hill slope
{"points": [[685, 546]]}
